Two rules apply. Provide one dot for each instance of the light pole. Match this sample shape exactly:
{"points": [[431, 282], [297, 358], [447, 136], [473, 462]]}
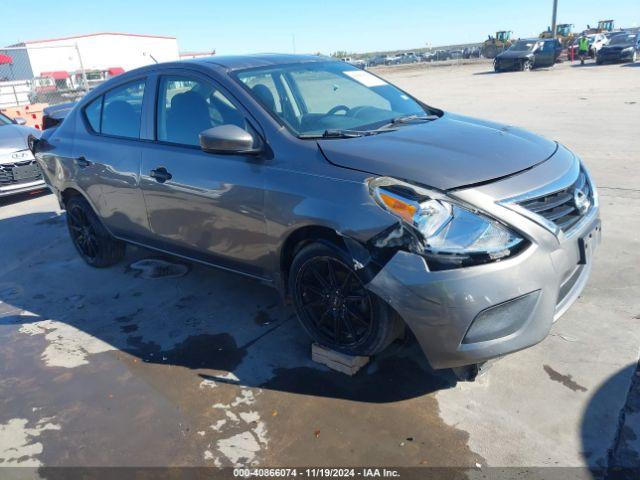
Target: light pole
{"points": [[553, 18]]}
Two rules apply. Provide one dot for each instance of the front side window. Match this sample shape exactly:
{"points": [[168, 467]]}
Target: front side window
{"points": [[315, 97], [187, 107], [122, 110]]}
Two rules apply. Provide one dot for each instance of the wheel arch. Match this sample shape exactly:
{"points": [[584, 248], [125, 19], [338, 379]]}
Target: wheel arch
{"points": [[69, 192], [296, 240]]}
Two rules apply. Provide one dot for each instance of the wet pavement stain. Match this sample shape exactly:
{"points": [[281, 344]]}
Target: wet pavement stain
{"points": [[216, 352], [384, 415], [565, 380], [389, 379]]}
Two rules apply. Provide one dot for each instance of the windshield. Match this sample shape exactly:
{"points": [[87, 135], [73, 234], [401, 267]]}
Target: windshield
{"points": [[4, 120], [523, 46], [620, 39], [312, 98]]}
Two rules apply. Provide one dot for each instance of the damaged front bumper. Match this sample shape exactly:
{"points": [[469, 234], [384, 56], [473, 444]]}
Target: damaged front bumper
{"points": [[470, 315]]}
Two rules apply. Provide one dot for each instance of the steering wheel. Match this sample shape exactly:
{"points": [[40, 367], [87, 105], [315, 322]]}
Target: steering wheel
{"points": [[337, 109]]}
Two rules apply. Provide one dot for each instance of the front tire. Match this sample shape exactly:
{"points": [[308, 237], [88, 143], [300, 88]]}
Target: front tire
{"points": [[333, 304], [526, 66], [93, 242]]}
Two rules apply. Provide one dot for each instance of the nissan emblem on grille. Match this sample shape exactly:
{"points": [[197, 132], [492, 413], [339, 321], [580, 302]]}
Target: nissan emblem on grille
{"points": [[581, 201]]}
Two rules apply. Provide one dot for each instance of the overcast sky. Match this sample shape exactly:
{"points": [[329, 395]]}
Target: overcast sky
{"points": [[248, 26]]}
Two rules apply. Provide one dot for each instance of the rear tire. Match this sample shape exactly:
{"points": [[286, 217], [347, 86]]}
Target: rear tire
{"points": [[526, 66], [93, 242], [334, 306]]}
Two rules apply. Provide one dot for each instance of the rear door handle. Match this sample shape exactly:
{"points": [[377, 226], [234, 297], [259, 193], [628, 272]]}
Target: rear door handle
{"points": [[161, 175], [82, 162]]}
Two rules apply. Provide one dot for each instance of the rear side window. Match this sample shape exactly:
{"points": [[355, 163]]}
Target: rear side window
{"points": [[118, 112], [93, 112], [122, 110]]}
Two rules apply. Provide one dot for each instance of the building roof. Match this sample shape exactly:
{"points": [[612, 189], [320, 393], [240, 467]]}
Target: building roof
{"points": [[21, 44], [239, 62]]}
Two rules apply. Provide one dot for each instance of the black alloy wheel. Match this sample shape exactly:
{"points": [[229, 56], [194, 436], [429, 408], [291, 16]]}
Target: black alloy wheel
{"points": [[92, 240], [82, 233], [335, 301], [334, 305]]}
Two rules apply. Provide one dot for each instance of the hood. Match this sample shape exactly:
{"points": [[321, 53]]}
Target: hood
{"points": [[450, 152], [510, 54], [14, 137]]}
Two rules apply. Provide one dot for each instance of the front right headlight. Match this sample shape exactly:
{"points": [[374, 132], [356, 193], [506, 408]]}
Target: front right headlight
{"points": [[451, 234]]}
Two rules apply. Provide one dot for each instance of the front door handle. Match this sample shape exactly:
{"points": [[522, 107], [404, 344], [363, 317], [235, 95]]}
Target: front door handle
{"points": [[82, 162], [161, 175]]}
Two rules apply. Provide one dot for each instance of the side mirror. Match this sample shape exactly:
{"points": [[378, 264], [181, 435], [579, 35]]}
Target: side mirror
{"points": [[20, 121], [229, 139]]}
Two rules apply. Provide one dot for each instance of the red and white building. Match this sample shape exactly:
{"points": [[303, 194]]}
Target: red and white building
{"points": [[106, 52]]}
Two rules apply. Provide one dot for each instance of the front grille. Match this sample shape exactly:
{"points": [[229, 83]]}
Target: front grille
{"points": [[560, 207], [7, 173]]}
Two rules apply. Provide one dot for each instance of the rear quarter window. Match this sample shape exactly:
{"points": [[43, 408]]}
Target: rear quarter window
{"points": [[93, 113]]}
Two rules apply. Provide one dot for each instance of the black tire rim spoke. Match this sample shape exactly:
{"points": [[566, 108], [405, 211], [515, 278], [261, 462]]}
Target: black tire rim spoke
{"points": [[82, 233], [334, 301]]}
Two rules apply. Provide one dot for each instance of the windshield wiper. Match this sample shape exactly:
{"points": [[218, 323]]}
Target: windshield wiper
{"points": [[413, 118], [338, 133], [404, 119]]}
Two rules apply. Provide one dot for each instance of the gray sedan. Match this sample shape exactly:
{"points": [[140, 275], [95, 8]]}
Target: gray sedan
{"points": [[19, 172], [369, 210]]}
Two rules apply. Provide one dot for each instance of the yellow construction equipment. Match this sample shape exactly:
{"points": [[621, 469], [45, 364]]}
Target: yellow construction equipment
{"points": [[603, 26], [494, 45], [563, 34]]}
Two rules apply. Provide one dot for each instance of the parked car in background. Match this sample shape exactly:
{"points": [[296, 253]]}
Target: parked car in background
{"points": [[596, 42], [19, 172], [526, 54], [285, 168], [456, 54], [441, 55], [428, 56], [356, 62], [377, 61], [621, 48], [392, 59], [472, 52], [407, 57]]}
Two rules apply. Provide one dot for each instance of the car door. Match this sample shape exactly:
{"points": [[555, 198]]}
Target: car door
{"points": [[545, 54], [107, 153], [202, 205]]}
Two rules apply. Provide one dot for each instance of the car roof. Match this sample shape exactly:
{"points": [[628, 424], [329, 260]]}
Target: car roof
{"points": [[241, 62]]}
